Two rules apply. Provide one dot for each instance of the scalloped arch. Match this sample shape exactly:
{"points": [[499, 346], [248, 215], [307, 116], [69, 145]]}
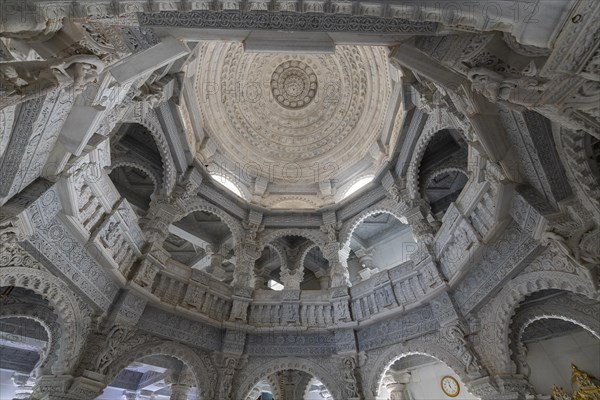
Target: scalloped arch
{"points": [[197, 204], [40, 314], [138, 164], [437, 173], [311, 234], [500, 311], [149, 120], [301, 364], [385, 206], [280, 252], [418, 346], [202, 367], [74, 324], [568, 307], [431, 128]]}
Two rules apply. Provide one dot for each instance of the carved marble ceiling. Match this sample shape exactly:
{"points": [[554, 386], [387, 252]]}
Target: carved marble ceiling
{"points": [[284, 125]]}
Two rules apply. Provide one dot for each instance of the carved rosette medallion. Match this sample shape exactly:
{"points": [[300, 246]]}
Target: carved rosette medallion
{"points": [[294, 84]]}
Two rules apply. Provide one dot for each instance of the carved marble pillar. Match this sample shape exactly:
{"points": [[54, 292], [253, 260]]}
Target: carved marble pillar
{"points": [[337, 256], [24, 384], [246, 256], [365, 258], [509, 387], [216, 257], [129, 395], [262, 276], [150, 263], [66, 387], [395, 382], [292, 272], [242, 296], [180, 392], [324, 279]]}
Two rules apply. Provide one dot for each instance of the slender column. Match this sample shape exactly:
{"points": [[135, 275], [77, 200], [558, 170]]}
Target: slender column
{"points": [[324, 279], [215, 261], [396, 382], [179, 392], [66, 387], [24, 384]]}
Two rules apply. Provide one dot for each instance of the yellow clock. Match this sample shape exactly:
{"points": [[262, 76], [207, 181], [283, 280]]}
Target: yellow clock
{"points": [[450, 386]]}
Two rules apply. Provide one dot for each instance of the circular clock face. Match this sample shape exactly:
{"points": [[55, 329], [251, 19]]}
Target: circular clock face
{"points": [[450, 386]]}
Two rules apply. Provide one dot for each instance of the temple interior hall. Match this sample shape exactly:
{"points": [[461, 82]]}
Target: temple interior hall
{"points": [[299, 200]]}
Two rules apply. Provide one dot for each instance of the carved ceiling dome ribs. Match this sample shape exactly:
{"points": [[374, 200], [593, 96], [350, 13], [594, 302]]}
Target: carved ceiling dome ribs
{"points": [[201, 365], [251, 377], [74, 323], [54, 352], [241, 105], [497, 314]]}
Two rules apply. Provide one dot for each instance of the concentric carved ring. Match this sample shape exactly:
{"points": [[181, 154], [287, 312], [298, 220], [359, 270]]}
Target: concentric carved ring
{"points": [[294, 84]]}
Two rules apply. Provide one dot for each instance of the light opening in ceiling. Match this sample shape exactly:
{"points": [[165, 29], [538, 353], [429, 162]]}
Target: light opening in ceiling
{"points": [[228, 184], [356, 186], [272, 284]]}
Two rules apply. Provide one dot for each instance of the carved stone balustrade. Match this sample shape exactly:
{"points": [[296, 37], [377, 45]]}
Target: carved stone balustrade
{"points": [[207, 295], [120, 236], [466, 226]]}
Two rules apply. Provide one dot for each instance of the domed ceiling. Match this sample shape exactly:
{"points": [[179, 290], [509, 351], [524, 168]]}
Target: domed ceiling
{"points": [[295, 130]]}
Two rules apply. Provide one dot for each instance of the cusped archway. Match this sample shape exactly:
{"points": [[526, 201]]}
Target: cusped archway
{"points": [[375, 371], [255, 372], [199, 364], [73, 319]]}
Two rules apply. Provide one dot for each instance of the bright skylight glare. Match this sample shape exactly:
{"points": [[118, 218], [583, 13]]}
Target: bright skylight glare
{"points": [[358, 185], [227, 183], [274, 285]]}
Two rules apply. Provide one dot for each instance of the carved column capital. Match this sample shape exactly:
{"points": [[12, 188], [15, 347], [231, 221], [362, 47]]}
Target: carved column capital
{"points": [[179, 391], [509, 387], [66, 387]]}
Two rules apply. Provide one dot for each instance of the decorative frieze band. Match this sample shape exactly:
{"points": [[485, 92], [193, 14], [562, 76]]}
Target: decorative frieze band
{"points": [[265, 20]]}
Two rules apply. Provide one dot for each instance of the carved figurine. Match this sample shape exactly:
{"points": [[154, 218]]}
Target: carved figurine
{"points": [[29, 79]]}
